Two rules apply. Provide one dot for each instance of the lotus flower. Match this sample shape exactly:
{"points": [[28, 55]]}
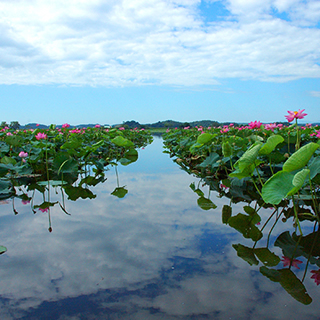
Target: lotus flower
{"points": [[287, 261], [316, 276], [41, 135], [255, 125], [23, 154], [295, 115]]}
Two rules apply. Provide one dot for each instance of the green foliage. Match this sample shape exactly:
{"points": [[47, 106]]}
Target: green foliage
{"points": [[264, 168]]}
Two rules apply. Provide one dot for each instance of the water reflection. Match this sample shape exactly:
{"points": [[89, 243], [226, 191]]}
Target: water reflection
{"points": [[154, 254]]}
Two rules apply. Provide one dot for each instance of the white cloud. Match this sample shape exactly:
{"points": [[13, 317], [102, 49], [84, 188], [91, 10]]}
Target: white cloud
{"points": [[315, 93], [112, 248], [159, 41]]}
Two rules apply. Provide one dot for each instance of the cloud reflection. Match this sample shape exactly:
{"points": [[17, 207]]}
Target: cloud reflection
{"points": [[151, 255]]}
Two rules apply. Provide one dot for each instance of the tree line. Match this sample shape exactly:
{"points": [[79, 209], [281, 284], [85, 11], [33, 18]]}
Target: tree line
{"points": [[13, 125]]}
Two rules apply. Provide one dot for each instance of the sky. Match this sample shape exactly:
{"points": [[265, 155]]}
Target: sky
{"points": [[110, 61]]}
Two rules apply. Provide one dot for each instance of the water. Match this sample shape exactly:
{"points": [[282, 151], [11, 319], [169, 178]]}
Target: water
{"points": [[153, 254]]}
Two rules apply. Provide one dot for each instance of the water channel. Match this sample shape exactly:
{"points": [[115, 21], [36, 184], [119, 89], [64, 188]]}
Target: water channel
{"points": [[153, 254]]}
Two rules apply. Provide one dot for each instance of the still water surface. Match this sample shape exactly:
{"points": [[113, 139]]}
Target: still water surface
{"points": [[153, 254]]}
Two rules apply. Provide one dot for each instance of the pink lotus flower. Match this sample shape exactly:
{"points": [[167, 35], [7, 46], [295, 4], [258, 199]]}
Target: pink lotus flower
{"points": [[316, 276], [295, 115], [75, 131], [23, 154], [66, 125], [287, 261], [97, 126], [41, 135], [44, 209], [224, 130], [255, 125], [270, 126], [25, 201], [9, 134]]}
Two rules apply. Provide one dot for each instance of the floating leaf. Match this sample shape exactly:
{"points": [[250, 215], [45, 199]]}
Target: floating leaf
{"points": [[226, 213], [199, 192], [119, 192], [271, 274], [300, 158], [294, 286], [75, 193], [245, 225], [246, 254], [267, 257], [289, 282], [91, 181], [206, 204]]}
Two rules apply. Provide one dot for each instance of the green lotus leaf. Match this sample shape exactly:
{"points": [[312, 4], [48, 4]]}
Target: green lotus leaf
{"points": [[245, 225], [226, 149], [204, 138], [267, 257], [294, 286], [226, 213], [271, 144], [249, 157], [206, 204], [300, 158], [119, 192], [298, 181], [246, 254], [277, 187]]}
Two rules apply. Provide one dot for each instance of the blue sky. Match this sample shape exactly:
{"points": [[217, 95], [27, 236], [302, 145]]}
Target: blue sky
{"points": [[98, 61]]}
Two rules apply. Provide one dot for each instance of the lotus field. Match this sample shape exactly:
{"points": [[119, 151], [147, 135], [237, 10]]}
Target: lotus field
{"points": [[268, 167], [71, 159]]}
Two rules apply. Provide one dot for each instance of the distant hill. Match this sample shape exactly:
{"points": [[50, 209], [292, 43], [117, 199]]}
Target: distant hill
{"points": [[160, 124], [43, 126], [171, 124]]}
